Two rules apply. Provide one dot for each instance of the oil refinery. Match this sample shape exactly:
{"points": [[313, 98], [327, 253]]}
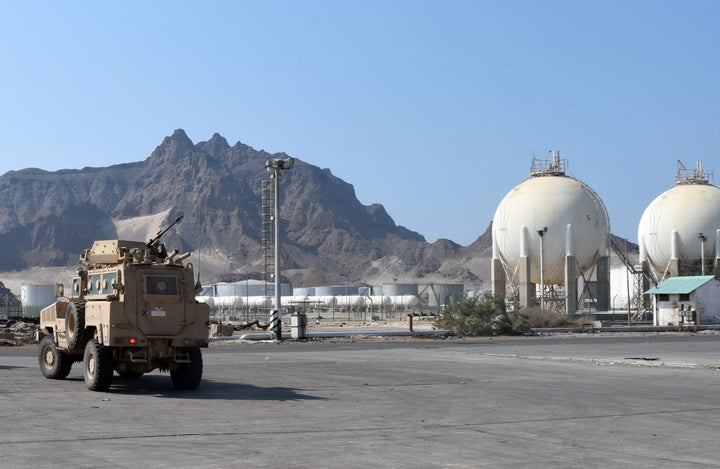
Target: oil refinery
{"points": [[551, 248]]}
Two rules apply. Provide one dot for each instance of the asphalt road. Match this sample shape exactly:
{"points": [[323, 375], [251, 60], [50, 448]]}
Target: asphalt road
{"points": [[570, 401]]}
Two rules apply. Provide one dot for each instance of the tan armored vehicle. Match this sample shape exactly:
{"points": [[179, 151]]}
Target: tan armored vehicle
{"points": [[132, 310]]}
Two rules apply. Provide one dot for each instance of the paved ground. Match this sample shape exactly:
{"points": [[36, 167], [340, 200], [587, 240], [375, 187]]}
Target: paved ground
{"points": [[570, 401]]}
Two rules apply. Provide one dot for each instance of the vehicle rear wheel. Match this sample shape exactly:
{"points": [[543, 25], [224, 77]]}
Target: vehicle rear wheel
{"points": [[54, 364], [77, 336], [188, 375], [99, 366]]}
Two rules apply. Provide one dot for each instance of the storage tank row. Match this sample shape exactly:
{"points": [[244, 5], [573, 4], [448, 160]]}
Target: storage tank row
{"points": [[326, 301], [551, 237], [387, 297]]}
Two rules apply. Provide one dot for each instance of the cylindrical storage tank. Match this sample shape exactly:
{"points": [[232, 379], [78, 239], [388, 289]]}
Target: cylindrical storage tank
{"points": [[304, 291], [336, 290], [575, 218], [208, 291], [258, 301], [404, 301], [623, 288], [321, 301], [377, 301], [227, 301], [327, 300], [349, 301], [249, 288], [228, 289], [397, 289], [208, 300], [290, 300], [686, 210], [35, 297], [445, 294]]}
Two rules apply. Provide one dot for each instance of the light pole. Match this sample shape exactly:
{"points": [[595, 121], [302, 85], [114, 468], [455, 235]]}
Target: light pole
{"points": [[702, 238], [541, 233], [274, 167]]}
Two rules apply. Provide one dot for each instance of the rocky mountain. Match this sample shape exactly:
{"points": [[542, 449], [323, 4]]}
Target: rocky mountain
{"points": [[329, 237]]}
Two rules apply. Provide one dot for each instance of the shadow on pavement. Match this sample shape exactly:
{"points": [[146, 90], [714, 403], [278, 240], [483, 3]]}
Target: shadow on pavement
{"points": [[161, 386]]}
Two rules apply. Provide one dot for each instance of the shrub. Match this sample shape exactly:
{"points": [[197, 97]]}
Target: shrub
{"points": [[524, 319], [475, 316]]}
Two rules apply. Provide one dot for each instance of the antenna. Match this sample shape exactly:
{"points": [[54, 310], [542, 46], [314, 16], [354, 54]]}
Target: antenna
{"points": [[197, 224]]}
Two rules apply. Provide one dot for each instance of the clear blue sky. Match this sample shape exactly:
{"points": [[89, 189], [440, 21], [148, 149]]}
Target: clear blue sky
{"points": [[433, 109]]}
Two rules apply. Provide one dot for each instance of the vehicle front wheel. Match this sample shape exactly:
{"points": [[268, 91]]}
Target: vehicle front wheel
{"points": [[99, 366], [54, 364]]}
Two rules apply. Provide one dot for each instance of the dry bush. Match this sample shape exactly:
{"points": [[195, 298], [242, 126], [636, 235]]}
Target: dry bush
{"points": [[524, 319]]}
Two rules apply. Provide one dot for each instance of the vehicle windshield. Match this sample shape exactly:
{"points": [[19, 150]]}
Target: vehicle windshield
{"points": [[161, 285]]}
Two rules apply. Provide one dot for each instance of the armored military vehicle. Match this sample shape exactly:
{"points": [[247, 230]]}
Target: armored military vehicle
{"points": [[132, 310]]}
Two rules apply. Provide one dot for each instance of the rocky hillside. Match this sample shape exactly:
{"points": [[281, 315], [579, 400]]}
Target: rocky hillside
{"points": [[48, 218]]}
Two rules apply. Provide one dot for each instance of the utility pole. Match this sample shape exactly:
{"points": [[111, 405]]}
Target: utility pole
{"points": [[541, 233], [702, 238], [274, 167]]}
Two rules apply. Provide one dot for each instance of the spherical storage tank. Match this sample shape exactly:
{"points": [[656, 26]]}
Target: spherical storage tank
{"points": [[675, 219], [570, 215]]}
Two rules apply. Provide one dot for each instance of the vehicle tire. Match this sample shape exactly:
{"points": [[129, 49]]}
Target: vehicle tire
{"points": [[54, 364], [99, 366], [77, 336], [188, 375]]}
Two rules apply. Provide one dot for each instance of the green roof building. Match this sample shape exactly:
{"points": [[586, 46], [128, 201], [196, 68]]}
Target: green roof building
{"points": [[686, 300]]}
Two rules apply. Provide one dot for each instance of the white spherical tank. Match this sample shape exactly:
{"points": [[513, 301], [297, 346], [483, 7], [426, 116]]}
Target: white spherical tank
{"points": [[675, 220], [576, 220]]}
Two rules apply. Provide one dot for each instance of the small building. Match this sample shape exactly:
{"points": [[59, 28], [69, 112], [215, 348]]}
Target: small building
{"points": [[686, 300]]}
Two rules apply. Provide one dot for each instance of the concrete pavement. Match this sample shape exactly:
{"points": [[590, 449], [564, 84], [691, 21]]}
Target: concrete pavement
{"points": [[520, 402]]}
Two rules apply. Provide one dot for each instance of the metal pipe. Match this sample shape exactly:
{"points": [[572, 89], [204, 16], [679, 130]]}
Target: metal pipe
{"points": [[569, 242], [703, 238]]}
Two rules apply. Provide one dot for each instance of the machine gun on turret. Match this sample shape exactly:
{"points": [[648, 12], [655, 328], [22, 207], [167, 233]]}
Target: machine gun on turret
{"points": [[160, 233]]}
